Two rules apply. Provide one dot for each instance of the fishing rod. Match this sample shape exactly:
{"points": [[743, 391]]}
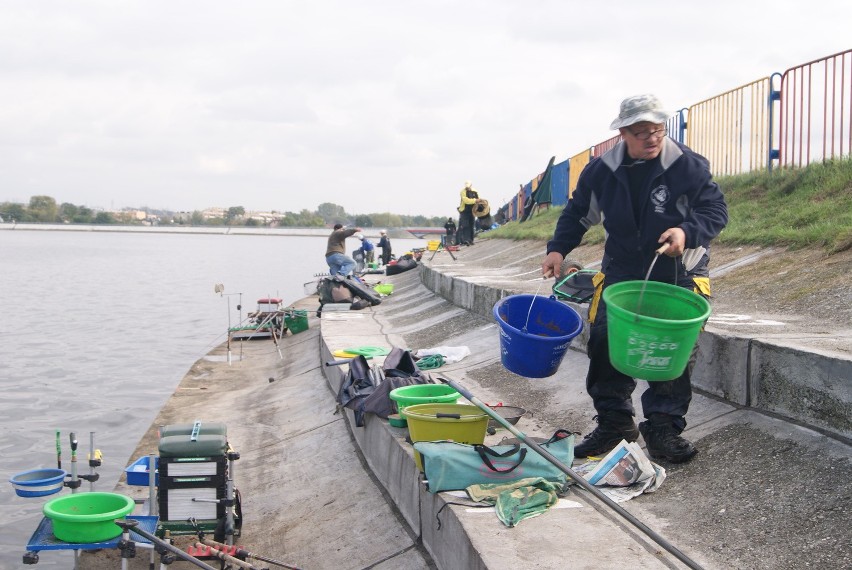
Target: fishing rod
{"points": [[75, 482], [344, 361], [220, 288], [224, 556], [574, 476], [58, 451], [240, 551]]}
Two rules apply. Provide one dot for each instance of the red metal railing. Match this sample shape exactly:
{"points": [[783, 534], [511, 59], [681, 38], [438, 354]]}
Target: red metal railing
{"points": [[600, 148], [816, 111]]}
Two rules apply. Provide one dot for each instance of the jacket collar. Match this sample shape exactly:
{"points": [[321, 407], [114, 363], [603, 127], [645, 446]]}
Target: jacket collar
{"points": [[670, 153]]}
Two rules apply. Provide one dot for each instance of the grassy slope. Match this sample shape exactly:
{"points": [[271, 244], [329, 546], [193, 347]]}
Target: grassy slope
{"points": [[808, 207]]}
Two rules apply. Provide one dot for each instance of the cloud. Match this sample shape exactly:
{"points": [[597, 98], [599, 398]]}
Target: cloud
{"points": [[373, 105]]}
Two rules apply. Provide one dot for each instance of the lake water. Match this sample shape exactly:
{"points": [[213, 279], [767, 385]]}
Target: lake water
{"points": [[98, 328]]}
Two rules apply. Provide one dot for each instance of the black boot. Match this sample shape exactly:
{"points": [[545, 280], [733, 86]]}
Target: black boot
{"points": [[663, 440], [612, 428]]}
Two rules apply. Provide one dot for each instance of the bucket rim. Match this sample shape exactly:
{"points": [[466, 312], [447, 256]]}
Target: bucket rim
{"points": [[127, 505], [420, 413], [55, 475], [415, 387], [682, 292]]}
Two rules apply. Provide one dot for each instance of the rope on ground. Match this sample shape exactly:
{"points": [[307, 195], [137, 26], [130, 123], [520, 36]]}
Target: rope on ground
{"points": [[430, 362]]}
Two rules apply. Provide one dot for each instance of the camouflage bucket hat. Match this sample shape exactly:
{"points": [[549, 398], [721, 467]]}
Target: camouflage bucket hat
{"points": [[640, 108]]}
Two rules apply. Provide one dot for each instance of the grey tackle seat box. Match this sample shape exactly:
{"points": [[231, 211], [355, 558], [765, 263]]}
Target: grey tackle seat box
{"points": [[201, 439], [193, 471]]}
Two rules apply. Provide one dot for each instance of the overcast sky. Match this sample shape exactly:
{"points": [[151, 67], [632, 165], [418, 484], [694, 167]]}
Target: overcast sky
{"points": [[373, 105]]}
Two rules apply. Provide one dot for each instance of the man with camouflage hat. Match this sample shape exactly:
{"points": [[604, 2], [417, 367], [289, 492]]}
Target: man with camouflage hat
{"points": [[648, 190]]}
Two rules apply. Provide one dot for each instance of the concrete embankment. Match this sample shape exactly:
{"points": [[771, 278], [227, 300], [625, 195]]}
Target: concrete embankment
{"points": [[766, 490]]}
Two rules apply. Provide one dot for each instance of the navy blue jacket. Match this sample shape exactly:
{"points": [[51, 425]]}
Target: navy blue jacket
{"points": [[680, 192]]}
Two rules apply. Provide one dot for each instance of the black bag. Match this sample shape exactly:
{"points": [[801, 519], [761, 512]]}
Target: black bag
{"points": [[360, 289], [399, 370], [333, 290], [359, 383], [405, 263]]}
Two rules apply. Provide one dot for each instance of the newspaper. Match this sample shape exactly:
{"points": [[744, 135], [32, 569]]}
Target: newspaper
{"points": [[624, 473]]}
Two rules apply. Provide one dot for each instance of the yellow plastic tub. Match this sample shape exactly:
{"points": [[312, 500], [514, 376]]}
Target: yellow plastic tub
{"points": [[461, 423]]}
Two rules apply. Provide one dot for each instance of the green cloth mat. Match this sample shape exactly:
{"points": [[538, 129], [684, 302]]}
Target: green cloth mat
{"points": [[368, 350], [517, 500]]}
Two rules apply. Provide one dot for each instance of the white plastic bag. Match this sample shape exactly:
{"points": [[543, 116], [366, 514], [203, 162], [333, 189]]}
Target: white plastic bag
{"points": [[450, 353]]}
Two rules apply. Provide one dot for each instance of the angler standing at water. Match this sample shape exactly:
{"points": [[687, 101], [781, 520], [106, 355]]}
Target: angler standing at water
{"points": [[648, 190], [385, 244], [466, 220], [450, 227]]}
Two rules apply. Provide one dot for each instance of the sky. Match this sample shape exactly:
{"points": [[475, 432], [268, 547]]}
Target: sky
{"points": [[377, 106]]}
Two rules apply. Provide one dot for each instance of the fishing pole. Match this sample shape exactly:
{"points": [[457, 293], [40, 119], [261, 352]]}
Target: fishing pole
{"points": [[344, 361], [75, 482], [220, 288], [233, 549], [574, 476], [224, 556], [58, 451], [240, 551]]}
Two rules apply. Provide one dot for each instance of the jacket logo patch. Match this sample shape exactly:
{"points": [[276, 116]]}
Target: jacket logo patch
{"points": [[660, 197]]}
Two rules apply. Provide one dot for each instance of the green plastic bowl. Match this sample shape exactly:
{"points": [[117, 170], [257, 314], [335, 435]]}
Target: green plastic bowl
{"points": [[405, 396], [384, 288], [87, 517]]}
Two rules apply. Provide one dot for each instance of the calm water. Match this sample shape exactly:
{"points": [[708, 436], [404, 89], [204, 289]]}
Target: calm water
{"points": [[97, 329]]}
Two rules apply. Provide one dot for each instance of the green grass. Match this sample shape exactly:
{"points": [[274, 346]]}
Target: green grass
{"points": [[796, 208]]}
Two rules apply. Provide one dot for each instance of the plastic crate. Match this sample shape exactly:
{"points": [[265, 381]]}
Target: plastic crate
{"points": [[296, 320], [138, 472]]}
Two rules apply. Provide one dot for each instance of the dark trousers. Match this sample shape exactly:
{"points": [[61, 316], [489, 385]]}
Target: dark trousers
{"points": [[611, 390], [465, 231]]}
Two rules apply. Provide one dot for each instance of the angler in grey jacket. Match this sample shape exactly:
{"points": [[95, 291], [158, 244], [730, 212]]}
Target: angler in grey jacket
{"points": [[648, 190]]}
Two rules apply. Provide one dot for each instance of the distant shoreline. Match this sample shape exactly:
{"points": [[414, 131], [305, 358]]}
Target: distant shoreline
{"points": [[225, 230]]}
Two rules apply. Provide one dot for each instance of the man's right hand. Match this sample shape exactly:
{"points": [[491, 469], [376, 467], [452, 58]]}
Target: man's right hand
{"points": [[551, 264]]}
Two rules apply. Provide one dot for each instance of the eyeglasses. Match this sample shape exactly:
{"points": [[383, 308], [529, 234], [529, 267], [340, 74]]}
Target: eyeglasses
{"points": [[645, 135]]}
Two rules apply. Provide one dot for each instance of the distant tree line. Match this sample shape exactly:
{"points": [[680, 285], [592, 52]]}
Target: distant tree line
{"points": [[44, 209]]}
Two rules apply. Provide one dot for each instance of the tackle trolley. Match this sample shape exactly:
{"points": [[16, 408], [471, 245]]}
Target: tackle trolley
{"points": [[195, 489]]}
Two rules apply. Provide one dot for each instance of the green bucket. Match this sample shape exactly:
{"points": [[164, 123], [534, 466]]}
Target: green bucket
{"points": [[653, 341], [296, 320], [405, 396], [87, 517]]}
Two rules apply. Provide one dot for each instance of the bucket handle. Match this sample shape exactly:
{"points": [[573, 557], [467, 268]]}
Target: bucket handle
{"points": [[457, 416], [524, 330], [485, 451], [660, 250]]}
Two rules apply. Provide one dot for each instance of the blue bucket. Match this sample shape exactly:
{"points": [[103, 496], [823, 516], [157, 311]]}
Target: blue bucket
{"points": [[538, 351]]}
